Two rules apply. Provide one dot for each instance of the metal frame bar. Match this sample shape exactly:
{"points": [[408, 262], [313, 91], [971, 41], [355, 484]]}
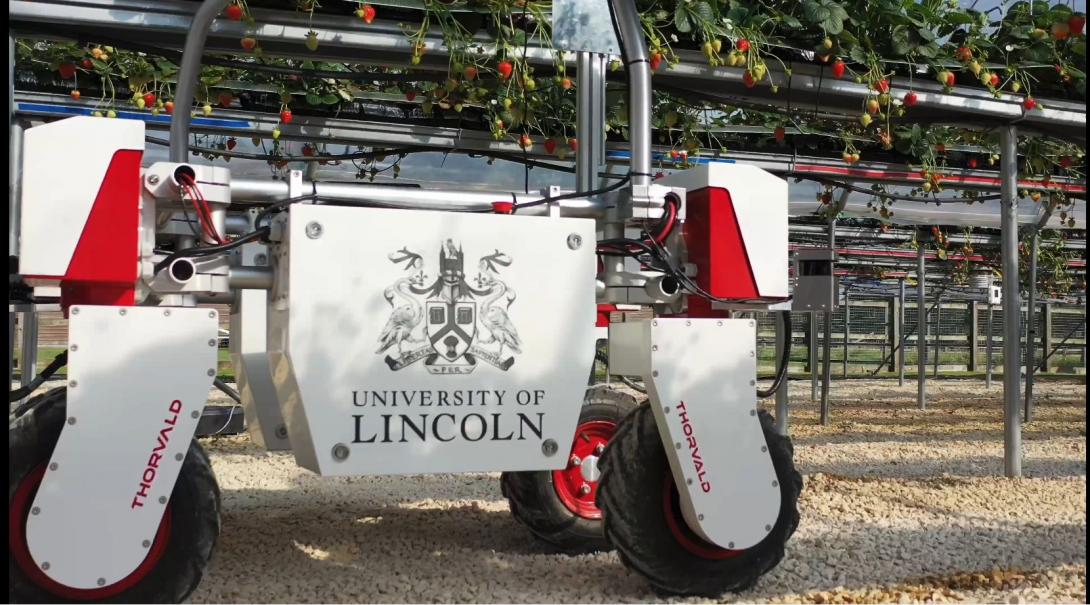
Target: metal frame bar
{"points": [[921, 330], [1031, 326], [1012, 303], [783, 339]]}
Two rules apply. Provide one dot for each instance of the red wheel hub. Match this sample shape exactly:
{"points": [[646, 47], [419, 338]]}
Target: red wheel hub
{"points": [[577, 483], [686, 537], [18, 549]]}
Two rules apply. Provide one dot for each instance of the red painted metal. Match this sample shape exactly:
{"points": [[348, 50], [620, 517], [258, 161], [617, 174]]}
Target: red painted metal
{"points": [[715, 245], [20, 552], [602, 320], [687, 538], [105, 264], [569, 481]]}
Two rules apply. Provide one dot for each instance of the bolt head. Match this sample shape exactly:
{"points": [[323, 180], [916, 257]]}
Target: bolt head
{"points": [[212, 314], [599, 449], [688, 481], [45, 565], [260, 259], [340, 451], [35, 510], [211, 342], [575, 461], [775, 483], [700, 517], [314, 230], [654, 373], [101, 582], [768, 528], [166, 313], [584, 489], [71, 420], [162, 499], [282, 431], [74, 311], [730, 544], [146, 543], [122, 312], [72, 384], [549, 447], [178, 457], [153, 179], [195, 414], [73, 348], [53, 466], [753, 412], [575, 241], [211, 372], [764, 448]]}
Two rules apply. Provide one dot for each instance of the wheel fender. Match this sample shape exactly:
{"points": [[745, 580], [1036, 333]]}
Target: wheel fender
{"points": [[138, 378], [700, 376]]}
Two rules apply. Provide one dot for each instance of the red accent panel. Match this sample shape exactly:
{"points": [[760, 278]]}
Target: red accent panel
{"points": [[603, 315], [104, 265], [714, 241]]}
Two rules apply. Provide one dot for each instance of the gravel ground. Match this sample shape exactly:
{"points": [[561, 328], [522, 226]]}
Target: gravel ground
{"points": [[899, 505]]}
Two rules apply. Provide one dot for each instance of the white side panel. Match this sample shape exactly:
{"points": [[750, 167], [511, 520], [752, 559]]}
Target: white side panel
{"points": [[706, 410], [760, 205], [372, 360], [64, 163], [138, 378]]}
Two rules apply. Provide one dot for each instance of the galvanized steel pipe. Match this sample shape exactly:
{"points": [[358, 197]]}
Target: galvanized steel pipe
{"points": [[188, 72], [1012, 304]]}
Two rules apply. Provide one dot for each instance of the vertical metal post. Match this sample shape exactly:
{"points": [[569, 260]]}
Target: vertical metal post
{"points": [[1046, 336], [28, 364], [1031, 326], [847, 326], [921, 330], [813, 355], [188, 72], [937, 341], [988, 350], [974, 341], [902, 342], [826, 346], [590, 107], [783, 338], [1012, 303]]}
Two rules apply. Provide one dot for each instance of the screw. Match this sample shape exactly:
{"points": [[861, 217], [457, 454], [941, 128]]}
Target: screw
{"points": [[211, 342], [102, 581], [775, 483], [752, 353], [689, 481], [178, 457], [282, 432], [700, 517], [768, 528], [719, 323], [654, 347], [598, 449], [211, 372], [574, 461], [584, 489], [53, 466], [146, 543], [654, 373], [195, 414], [665, 410], [166, 313], [575, 241], [314, 230], [548, 447], [764, 448], [121, 311], [153, 179], [162, 499], [753, 412], [71, 420], [35, 510], [751, 324], [74, 311], [73, 348], [212, 314], [730, 544], [72, 384], [677, 446], [45, 565], [752, 383], [688, 323], [654, 323], [340, 451], [260, 259]]}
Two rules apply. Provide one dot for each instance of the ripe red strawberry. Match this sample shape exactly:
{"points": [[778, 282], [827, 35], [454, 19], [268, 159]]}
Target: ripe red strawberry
{"points": [[972, 163], [285, 116], [248, 43], [1066, 162], [169, 106], [367, 13], [674, 155], [75, 95], [149, 99], [67, 71], [911, 99], [951, 79], [573, 144], [87, 64], [882, 86], [231, 142], [838, 69], [410, 96], [747, 79], [1029, 104], [1075, 23], [470, 73], [964, 53], [506, 69], [656, 61], [234, 12], [995, 80], [550, 146], [226, 99], [743, 45], [780, 133], [526, 142]]}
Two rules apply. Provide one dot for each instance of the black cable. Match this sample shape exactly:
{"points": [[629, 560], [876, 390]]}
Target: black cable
{"points": [[58, 362], [199, 251], [785, 359], [578, 194], [227, 390]]}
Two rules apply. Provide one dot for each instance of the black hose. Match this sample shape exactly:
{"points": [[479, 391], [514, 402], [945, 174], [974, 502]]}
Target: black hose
{"points": [[227, 390], [58, 362], [785, 359]]}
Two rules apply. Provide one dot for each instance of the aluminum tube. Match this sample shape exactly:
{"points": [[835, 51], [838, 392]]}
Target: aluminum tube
{"points": [[188, 72], [826, 367], [250, 278], [1031, 326], [988, 351], [634, 49], [11, 345], [921, 330], [1012, 303], [15, 181], [901, 334], [783, 339], [236, 223], [847, 326], [589, 116], [813, 357]]}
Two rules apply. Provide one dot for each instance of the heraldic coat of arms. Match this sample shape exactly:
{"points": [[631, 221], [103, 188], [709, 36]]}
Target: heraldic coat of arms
{"points": [[449, 323]]}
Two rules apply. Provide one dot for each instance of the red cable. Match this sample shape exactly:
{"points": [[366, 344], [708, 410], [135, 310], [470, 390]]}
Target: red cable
{"points": [[203, 211]]}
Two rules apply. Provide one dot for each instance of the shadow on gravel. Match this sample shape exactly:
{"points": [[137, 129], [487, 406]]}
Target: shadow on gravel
{"points": [[975, 466]]}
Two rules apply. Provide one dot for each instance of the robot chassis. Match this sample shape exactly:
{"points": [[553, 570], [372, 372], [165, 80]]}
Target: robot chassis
{"points": [[377, 330]]}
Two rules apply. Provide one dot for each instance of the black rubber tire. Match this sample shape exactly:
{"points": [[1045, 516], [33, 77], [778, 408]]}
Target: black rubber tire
{"points": [[533, 498], [634, 470], [194, 504]]}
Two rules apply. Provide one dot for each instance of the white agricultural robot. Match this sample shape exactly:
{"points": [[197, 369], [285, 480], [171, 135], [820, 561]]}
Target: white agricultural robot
{"points": [[383, 330]]}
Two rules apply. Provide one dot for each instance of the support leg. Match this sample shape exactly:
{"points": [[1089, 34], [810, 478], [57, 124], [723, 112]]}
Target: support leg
{"points": [[1012, 303]]}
